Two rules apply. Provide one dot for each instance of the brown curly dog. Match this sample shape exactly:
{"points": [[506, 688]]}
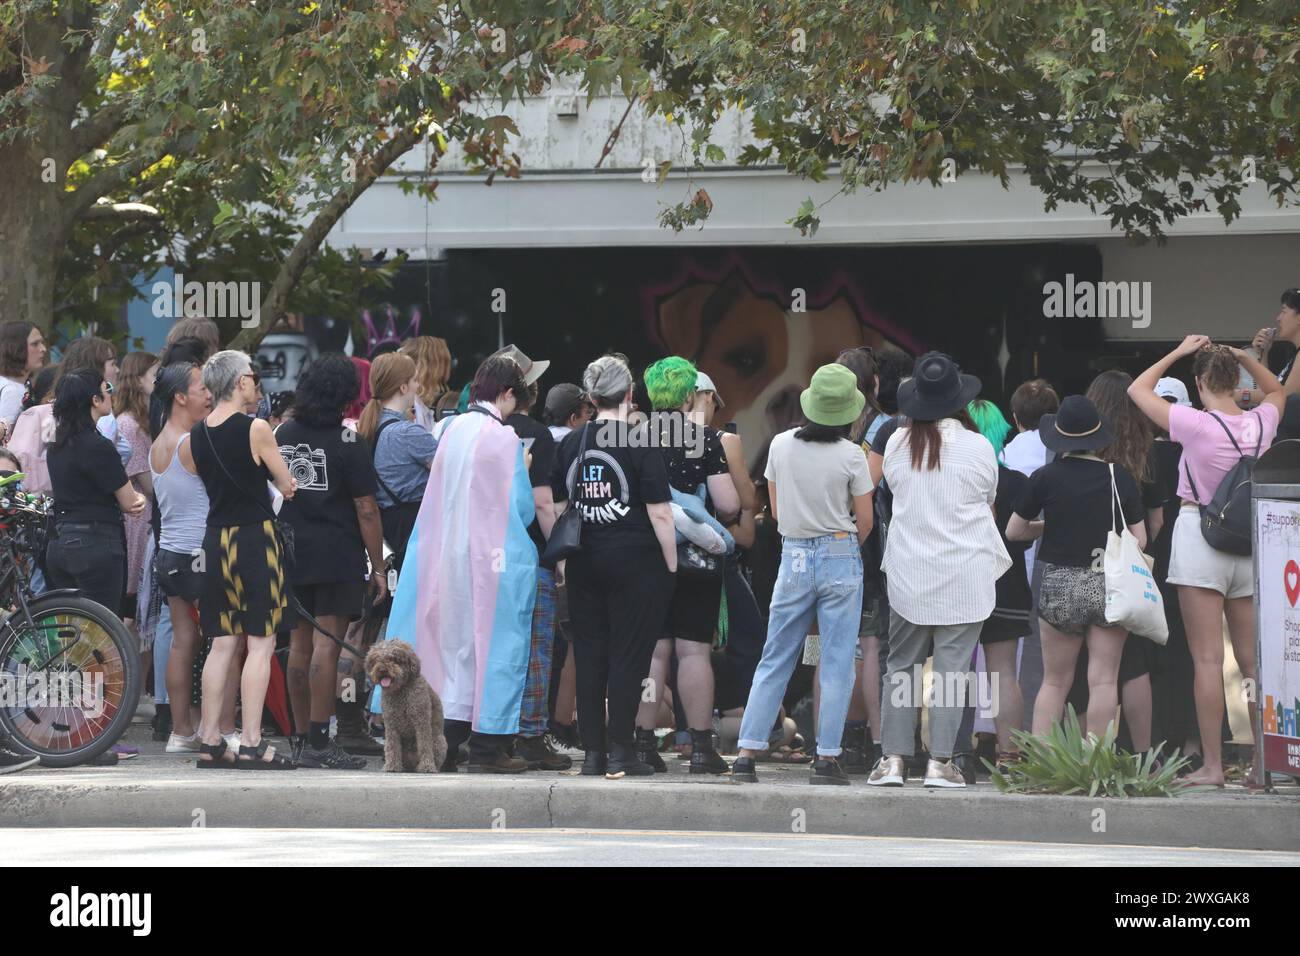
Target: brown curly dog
{"points": [[413, 740]]}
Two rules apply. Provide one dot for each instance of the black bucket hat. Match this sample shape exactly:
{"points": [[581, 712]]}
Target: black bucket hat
{"points": [[1076, 426], [937, 388]]}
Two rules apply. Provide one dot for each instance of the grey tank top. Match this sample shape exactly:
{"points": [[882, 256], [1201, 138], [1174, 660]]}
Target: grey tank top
{"points": [[183, 504]]}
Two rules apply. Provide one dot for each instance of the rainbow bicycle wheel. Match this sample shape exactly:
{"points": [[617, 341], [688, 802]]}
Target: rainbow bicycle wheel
{"points": [[69, 680]]}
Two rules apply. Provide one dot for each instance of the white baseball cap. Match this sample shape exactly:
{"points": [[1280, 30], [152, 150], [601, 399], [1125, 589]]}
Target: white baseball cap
{"points": [[1173, 389], [705, 384]]}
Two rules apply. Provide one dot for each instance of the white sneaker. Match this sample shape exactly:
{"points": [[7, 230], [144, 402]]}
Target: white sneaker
{"points": [[176, 744]]}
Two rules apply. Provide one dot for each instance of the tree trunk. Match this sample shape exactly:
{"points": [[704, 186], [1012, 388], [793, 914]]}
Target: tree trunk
{"points": [[31, 235]]}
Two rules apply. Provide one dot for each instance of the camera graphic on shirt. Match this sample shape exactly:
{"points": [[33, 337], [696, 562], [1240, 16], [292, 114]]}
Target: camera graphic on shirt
{"points": [[307, 466]]}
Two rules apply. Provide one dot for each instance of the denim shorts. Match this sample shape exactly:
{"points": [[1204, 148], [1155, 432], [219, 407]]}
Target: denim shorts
{"points": [[176, 575]]}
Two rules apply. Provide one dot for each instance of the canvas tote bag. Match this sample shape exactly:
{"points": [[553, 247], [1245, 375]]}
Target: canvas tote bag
{"points": [[1133, 599]]}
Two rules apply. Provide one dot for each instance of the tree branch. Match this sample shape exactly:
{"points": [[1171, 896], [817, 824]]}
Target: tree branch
{"points": [[96, 130], [121, 211], [291, 270], [101, 184]]}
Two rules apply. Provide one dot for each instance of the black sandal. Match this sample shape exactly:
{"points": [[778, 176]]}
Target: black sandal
{"points": [[216, 752], [257, 761]]}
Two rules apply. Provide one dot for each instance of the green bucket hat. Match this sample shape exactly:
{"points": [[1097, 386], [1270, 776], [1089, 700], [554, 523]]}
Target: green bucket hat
{"points": [[833, 397]]}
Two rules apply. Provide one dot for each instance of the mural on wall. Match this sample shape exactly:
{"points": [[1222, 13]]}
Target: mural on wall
{"points": [[759, 321]]}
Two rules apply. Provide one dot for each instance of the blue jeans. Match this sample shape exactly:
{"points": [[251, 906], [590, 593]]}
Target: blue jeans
{"points": [[820, 580], [162, 647]]}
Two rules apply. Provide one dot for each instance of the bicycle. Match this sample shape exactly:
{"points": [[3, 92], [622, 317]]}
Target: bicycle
{"points": [[69, 668]]}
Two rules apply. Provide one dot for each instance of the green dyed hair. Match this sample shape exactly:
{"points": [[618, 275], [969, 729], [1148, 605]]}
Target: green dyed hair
{"points": [[669, 382], [990, 422]]}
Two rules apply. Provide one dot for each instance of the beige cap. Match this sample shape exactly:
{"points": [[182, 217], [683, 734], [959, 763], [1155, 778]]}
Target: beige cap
{"points": [[532, 370]]}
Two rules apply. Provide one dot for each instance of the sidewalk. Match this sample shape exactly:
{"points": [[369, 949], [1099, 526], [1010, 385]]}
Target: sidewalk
{"points": [[156, 789]]}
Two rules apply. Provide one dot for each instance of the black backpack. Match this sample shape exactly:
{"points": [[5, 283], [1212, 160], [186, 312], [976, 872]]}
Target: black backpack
{"points": [[1225, 521]]}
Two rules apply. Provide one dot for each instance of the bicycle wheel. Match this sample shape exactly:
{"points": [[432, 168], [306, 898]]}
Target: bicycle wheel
{"points": [[69, 686]]}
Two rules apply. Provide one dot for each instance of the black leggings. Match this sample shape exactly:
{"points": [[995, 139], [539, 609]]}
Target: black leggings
{"points": [[618, 606], [92, 558]]}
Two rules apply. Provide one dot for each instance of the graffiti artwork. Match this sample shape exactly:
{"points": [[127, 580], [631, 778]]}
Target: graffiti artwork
{"points": [[759, 321]]}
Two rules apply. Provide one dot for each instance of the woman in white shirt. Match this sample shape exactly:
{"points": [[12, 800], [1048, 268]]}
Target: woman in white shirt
{"points": [[22, 353], [943, 556]]}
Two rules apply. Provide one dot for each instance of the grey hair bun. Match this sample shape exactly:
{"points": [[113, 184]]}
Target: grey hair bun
{"points": [[607, 377]]}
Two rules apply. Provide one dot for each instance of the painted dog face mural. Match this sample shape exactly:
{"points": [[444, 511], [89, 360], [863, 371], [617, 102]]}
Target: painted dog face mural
{"points": [[759, 346]]}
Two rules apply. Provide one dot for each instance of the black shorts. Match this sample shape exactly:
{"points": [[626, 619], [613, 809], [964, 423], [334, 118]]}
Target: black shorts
{"points": [[176, 576], [337, 598], [998, 629], [693, 615]]}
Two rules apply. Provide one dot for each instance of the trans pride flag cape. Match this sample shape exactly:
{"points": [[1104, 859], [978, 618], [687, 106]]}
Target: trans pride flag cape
{"points": [[467, 587]]}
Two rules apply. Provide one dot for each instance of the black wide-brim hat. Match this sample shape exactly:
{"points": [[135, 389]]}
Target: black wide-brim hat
{"points": [[937, 389], [1077, 426]]}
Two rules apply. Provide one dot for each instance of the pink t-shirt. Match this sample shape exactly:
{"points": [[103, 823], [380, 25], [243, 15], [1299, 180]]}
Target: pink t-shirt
{"points": [[1208, 453]]}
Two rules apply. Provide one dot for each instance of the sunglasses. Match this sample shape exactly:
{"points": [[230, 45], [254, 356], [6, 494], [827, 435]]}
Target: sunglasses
{"points": [[108, 388], [256, 377]]}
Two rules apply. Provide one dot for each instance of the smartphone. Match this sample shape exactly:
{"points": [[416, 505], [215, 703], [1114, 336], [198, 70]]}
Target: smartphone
{"points": [[527, 443]]}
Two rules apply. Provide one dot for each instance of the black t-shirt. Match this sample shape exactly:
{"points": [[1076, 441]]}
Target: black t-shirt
{"points": [[332, 466], [884, 498], [537, 440], [687, 470], [84, 474], [1074, 497], [612, 484], [884, 433], [1013, 587]]}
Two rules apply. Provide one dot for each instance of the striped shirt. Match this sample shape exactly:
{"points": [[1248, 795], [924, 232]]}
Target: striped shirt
{"points": [[943, 553]]}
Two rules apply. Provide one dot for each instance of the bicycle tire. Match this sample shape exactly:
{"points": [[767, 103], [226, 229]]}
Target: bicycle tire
{"points": [[60, 736]]}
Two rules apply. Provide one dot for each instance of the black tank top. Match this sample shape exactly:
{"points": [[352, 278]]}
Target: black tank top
{"points": [[231, 502]]}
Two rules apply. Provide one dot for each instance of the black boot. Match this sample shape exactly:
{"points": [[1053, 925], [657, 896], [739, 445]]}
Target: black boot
{"points": [[594, 764], [853, 758], [353, 735], [162, 722], [647, 749], [704, 759], [456, 732], [623, 761]]}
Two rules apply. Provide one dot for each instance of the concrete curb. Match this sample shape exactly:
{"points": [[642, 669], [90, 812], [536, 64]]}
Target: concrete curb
{"points": [[304, 799]]}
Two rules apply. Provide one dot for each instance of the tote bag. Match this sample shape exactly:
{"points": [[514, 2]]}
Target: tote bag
{"points": [[1133, 599]]}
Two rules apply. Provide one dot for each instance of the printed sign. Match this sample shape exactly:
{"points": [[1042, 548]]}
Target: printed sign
{"points": [[1278, 608]]}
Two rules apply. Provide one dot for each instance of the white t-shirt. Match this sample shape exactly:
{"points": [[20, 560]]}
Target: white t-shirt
{"points": [[1026, 453], [815, 484], [11, 399], [943, 553]]}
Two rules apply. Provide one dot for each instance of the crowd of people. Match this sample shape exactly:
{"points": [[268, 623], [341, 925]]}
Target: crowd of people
{"points": [[591, 570]]}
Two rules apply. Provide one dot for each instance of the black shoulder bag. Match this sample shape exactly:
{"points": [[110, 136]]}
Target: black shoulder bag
{"points": [[566, 534]]}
